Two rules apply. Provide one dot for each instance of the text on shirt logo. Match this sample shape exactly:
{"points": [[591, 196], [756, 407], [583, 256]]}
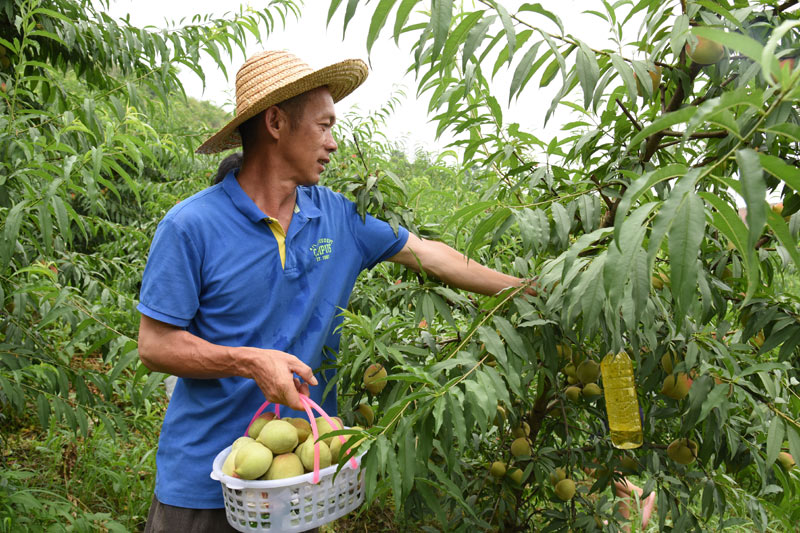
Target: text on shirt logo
{"points": [[322, 250]]}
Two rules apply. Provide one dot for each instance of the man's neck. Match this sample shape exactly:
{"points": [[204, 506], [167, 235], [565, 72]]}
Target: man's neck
{"points": [[274, 196]]}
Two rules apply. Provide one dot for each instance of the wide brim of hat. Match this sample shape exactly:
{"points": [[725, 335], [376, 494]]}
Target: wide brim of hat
{"points": [[340, 78]]}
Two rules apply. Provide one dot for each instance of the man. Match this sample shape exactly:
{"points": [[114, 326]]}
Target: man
{"points": [[245, 280]]}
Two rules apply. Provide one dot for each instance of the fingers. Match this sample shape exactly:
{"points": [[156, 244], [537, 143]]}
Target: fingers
{"points": [[303, 389], [277, 381], [303, 370], [293, 400]]}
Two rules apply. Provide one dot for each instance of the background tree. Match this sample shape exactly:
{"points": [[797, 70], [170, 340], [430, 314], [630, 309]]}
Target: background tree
{"points": [[97, 143]]}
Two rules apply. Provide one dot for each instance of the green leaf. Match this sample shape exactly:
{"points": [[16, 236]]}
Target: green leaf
{"points": [[685, 236], [511, 336], [727, 221], [348, 14], [662, 123], [583, 242], [640, 187], [666, 215], [10, 232], [714, 399], [474, 39], [790, 131], [562, 222], [754, 192], [460, 33], [621, 257], [719, 9], [537, 8], [768, 60], [456, 410], [486, 226], [781, 170], [590, 294], [523, 71], [677, 36], [494, 344], [403, 13], [626, 73], [793, 436], [43, 409], [559, 59], [378, 21], [781, 231], [588, 72], [441, 16], [774, 439], [508, 26]]}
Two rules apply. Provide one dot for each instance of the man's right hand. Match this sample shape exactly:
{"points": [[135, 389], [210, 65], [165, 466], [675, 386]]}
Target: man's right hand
{"points": [[274, 371], [173, 350]]}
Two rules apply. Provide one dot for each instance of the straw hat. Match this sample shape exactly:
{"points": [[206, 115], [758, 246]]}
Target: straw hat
{"points": [[271, 77]]}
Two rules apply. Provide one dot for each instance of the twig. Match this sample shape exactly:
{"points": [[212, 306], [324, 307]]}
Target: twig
{"points": [[628, 114], [786, 5], [717, 134], [666, 144], [762, 241], [609, 202], [360, 154]]}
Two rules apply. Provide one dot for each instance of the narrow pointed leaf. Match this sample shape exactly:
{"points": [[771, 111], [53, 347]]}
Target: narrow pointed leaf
{"points": [[685, 236], [754, 192]]}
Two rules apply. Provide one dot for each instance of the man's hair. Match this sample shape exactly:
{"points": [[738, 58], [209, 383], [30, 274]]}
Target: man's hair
{"points": [[226, 165], [293, 107]]}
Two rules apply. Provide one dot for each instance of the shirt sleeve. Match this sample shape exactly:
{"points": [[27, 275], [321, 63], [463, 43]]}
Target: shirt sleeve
{"points": [[375, 238], [171, 281]]}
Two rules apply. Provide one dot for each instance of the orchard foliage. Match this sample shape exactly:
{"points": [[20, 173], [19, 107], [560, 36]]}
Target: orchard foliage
{"points": [[629, 220], [96, 145], [631, 223]]}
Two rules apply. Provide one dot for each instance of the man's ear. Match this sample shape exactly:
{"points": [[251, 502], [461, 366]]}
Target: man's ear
{"points": [[275, 121]]}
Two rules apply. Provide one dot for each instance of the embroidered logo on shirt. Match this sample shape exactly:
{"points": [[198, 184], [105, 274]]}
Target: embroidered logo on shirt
{"points": [[322, 250]]}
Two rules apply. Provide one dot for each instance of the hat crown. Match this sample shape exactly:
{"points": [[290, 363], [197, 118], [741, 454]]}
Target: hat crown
{"points": [[264, 73]]}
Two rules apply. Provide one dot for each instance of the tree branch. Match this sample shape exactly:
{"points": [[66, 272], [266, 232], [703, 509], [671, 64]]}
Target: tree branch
{"points": [[539, 411], [606, 199], [628, 114], [653, 141], [716, 134]]}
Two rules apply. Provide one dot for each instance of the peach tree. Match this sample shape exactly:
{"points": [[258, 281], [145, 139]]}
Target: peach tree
{"points": [[660, 222]]}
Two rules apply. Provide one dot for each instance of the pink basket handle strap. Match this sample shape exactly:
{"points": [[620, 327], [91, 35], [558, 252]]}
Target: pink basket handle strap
{"points": [[308, 402], [258, 413], [315, 433]]}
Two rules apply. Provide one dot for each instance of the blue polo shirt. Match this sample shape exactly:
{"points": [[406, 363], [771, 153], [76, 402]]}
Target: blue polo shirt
{"points": [[214, 268]]}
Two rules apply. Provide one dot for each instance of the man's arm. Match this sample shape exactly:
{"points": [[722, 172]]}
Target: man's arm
{"points": [[452, 267], [170, 349]]}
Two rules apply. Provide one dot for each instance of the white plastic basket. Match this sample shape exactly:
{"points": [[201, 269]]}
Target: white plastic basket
{"points": [[293, 504]]}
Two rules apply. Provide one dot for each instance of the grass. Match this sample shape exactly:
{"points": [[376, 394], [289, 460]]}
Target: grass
{"points": [[55, 480]]}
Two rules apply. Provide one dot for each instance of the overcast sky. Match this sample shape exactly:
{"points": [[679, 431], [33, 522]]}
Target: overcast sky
{"points": [[309, 39]]}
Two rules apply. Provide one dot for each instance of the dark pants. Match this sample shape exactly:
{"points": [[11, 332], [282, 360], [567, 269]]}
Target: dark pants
{"points": [[164, 518]]}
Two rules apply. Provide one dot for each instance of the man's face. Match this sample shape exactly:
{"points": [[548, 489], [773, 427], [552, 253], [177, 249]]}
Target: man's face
{"points": [[307, 146]]}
